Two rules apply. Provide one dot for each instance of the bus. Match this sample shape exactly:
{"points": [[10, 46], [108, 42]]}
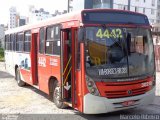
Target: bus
{"points": [[95, 60]]}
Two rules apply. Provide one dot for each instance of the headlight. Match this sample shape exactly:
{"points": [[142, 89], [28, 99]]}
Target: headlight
{"points": [[90, 84], [92, 87]]}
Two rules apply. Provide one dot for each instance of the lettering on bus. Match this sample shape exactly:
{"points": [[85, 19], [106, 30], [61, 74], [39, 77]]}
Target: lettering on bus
{"points": [[42, 61], [112, 71], [53, 62], [109, 33]]}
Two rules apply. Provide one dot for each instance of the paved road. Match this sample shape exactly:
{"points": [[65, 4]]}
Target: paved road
{"points": [[28, 100]]}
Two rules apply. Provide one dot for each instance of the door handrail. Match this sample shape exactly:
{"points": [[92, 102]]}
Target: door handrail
{"points": [[67, 65]]}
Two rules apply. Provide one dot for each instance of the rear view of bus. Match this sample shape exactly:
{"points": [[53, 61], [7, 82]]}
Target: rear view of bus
{"points": [[119, 60]]}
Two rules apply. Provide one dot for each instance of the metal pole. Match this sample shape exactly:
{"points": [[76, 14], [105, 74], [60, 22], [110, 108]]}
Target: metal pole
{"points": [[129, 4], [111, 4]]}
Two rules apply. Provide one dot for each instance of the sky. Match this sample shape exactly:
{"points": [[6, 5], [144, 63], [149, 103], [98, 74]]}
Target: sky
{"points": [[23, 7]]}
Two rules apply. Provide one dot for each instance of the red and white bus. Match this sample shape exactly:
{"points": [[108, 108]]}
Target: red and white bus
{"points": [[96, 61]]}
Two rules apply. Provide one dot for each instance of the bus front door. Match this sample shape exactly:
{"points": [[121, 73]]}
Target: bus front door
{"points": [[68, 66]]}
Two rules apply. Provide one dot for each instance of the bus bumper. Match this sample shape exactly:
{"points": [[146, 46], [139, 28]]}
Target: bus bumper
{"points": [[96, 105]]}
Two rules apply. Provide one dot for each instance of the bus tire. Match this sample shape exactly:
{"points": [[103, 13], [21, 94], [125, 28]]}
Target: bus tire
{"points": [[56, 96], [18, 78]]}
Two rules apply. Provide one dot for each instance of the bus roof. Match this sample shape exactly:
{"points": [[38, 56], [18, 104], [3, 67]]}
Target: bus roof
{"points": [[74, 16]]}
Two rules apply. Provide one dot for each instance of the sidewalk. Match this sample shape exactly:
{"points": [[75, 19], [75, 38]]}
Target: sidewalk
{"points": [[158, 84]]}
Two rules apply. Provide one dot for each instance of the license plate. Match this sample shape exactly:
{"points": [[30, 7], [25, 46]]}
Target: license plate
{"points": [[128, 103]]}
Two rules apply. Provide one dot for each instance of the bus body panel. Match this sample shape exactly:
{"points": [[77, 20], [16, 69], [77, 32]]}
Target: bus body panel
{"points": [[25, 67], [48, 67]]}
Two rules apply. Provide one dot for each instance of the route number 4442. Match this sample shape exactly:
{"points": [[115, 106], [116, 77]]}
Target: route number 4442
{"points": [[107, 33]]}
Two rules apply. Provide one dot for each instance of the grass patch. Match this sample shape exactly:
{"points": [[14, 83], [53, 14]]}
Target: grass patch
{"points": [[1, 54]]}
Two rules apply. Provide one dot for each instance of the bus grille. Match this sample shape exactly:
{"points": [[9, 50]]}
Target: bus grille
{"points": [[126, 93], [123, 89]]}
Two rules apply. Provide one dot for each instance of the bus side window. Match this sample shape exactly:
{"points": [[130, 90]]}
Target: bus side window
{"points": [[56, 40], [17, 46], [10, 45], [19, 42], [42, 41], [14, 42], [49, 40], [7, 42], [53, 40], [11, 41], [27, 41]]}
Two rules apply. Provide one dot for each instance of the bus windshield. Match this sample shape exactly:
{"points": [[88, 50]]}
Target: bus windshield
{"points": [[115, 52]]}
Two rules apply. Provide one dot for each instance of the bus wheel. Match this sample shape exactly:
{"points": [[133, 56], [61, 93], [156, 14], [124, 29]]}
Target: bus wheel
{"points": [[56, 96], [18, 78]]}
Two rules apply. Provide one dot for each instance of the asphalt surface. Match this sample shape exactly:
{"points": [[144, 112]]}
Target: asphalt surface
{"points": [[18, 103]]}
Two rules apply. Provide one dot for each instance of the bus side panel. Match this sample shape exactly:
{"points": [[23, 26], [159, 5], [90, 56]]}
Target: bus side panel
{"points": [[47, 66], [44, 73], [25, 67], [55, 67]]}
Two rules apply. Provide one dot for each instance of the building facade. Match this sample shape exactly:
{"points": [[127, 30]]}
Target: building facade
{"points": [[12, 18], [158, 11], [21, 21], [37, 15]]}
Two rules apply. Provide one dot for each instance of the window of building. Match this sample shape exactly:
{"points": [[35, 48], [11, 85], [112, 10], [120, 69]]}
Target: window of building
{"points": [[19, 42], [125, 7], [95, 2], [152, 11], [120, 7], [151, 20], [53, 40], [42, 41], [158, 21], [144, 10], [136, 9], [153, 2], [27, 41]]}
